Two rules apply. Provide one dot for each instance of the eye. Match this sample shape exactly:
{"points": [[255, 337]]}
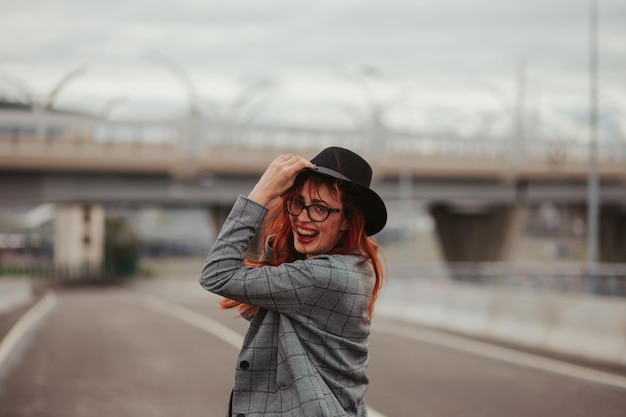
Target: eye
{"points": [[294, 207], [297, 204], [321, 210]]}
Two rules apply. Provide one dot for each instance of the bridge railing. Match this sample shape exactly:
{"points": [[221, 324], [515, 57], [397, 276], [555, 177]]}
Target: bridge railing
{"points": [[20, 125], [264, 136], [443, 144], [196, 132], [561, 150], [170, 132]]}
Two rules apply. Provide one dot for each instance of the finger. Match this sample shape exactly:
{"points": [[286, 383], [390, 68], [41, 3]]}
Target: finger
{"points": [[298, 161]]}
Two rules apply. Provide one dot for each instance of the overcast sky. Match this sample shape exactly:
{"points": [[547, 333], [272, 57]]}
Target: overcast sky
{"points": [[429, 63]]}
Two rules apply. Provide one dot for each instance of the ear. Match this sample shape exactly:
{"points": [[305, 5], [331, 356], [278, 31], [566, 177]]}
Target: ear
{"points": [[344, 226]]}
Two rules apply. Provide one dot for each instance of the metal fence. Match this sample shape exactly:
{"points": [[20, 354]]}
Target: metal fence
{"points": [[203, 132]]}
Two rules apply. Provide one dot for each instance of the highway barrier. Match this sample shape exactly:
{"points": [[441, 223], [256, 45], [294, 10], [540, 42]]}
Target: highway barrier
{"points": [[576, 324], [14, 292]]}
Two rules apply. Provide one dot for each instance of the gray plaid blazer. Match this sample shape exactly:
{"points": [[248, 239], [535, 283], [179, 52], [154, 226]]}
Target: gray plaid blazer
{"points": [[306, 351]]}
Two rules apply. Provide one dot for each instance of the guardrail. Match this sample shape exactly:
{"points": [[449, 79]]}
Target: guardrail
{"points": [[14, 292], [528, 308], [567, 277], [199, 132]]}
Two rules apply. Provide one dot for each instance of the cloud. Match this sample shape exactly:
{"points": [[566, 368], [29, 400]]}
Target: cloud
{"points": [[445, 52]]}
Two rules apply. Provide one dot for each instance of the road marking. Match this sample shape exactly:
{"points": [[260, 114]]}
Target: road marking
{"points": [[502, 354], [24, 324], [205, 323], [226, 334], [373, 413]]}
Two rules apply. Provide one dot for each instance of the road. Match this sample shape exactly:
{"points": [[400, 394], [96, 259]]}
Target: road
{"points": [[162, 347]]}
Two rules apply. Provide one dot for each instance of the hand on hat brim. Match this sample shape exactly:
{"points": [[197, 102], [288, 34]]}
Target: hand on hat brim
{"points": [[278, 177]]}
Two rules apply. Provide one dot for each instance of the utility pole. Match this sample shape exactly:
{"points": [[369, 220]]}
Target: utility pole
{"points": [[592, 196]]}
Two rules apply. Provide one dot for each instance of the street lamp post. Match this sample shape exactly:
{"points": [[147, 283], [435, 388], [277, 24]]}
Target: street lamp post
{"points": [[592, 197], [53, 94], [193, 123]]}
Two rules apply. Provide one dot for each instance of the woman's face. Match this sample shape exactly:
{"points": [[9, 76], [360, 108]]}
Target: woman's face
{"points": [[315, 238]]}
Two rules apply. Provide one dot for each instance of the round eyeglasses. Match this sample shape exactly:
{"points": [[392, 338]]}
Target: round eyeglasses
{"points": [[316, 212]]}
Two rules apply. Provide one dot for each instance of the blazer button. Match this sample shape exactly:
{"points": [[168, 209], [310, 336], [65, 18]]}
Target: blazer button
{"points": [[244, 365], [241, 415]]}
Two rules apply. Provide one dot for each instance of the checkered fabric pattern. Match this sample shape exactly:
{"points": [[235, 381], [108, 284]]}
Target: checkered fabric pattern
{"points": [[306, 350]]}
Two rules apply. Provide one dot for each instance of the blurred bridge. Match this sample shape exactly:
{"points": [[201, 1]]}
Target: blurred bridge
{"points": [[471, 184], [192, 146]]}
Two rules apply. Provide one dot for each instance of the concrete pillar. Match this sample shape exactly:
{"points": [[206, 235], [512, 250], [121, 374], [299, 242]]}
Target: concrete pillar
{"points": [[220, 212], [612, 234], [79, 239], [476, 233]]}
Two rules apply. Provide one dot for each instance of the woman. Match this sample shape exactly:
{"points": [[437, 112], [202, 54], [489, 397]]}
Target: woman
{"points": [[310, 295]]}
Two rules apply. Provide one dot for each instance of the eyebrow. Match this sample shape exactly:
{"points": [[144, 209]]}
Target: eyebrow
{"points": [[313, 200], [317, 201]]}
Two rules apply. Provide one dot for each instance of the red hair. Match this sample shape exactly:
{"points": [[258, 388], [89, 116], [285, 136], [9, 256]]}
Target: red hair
{"points": [[277, 229]]}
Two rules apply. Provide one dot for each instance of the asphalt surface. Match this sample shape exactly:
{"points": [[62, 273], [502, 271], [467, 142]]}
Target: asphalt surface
{"points": [[154, 347]]}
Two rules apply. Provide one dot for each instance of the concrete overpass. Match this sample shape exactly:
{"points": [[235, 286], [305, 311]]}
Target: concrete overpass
{"points": [[187, 148], [477, 188]]}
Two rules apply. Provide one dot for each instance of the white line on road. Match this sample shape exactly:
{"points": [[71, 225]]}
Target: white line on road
{"points": [[191, 317], [503, 354], [24, 324], [205, 323]]}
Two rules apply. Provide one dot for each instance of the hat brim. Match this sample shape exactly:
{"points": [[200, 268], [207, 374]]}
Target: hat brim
{"points": [[373, 207]]}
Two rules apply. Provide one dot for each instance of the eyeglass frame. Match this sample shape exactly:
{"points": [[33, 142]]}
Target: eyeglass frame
{"points": [[328, 210]]}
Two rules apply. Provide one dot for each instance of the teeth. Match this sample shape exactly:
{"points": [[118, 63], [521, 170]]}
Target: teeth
{"points": [[307, 232]]}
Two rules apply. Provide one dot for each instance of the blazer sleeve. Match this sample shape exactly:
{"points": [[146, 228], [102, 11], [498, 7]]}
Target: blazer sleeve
{"points": [[282, 288]]}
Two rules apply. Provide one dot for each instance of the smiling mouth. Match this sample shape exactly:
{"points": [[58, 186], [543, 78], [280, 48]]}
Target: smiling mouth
{"points": [[306, 235]]}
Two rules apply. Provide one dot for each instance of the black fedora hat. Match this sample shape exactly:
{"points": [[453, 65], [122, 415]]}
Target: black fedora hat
{"points": [[356, 176]]}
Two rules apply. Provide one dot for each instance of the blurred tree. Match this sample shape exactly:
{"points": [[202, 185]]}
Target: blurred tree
{"points": [[121, 248]]}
